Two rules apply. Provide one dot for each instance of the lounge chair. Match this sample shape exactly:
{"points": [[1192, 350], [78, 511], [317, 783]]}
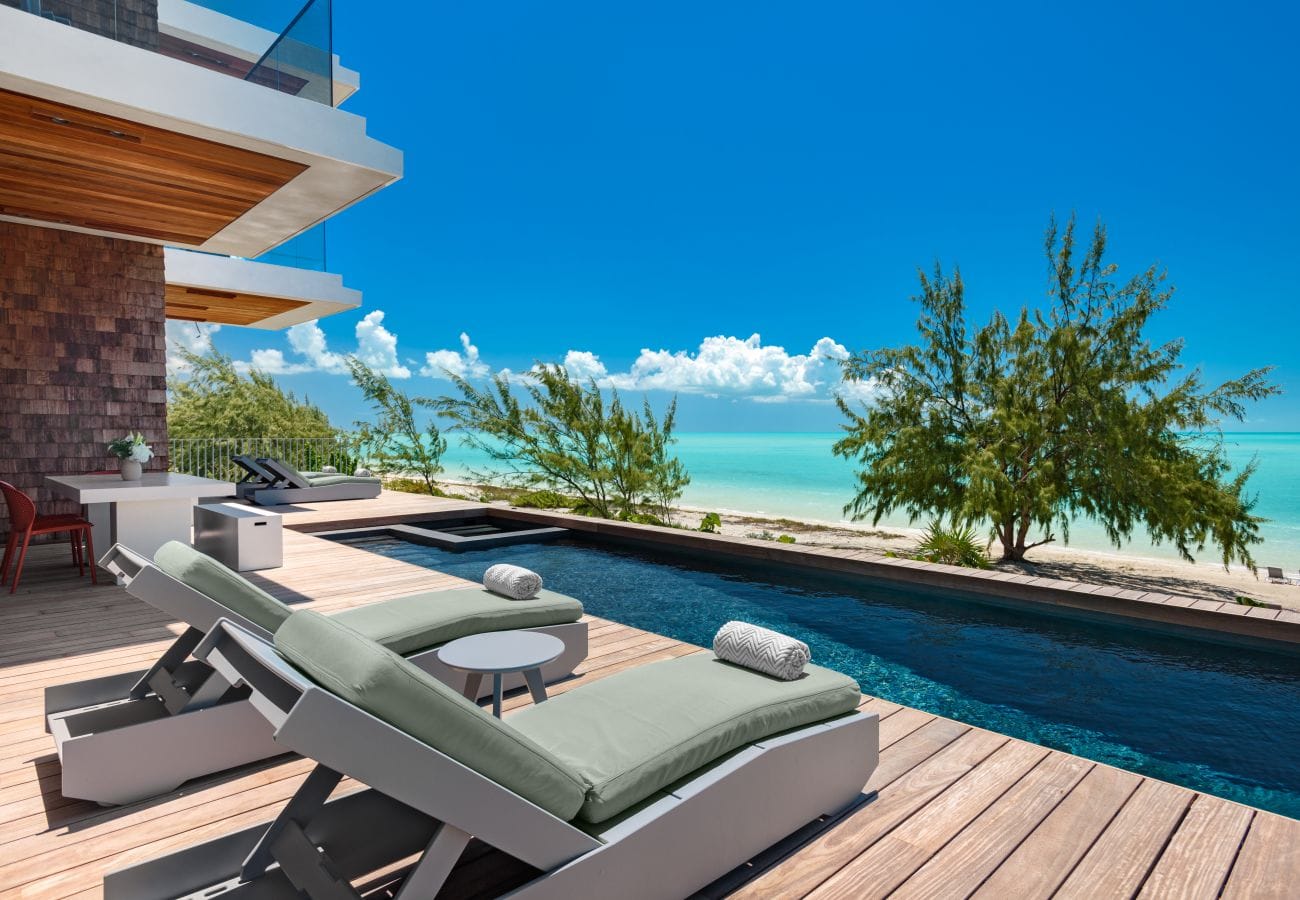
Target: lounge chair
{"points": [[652, 782], [256, 476], [122, 738], [1276, 575], [302, 487]]}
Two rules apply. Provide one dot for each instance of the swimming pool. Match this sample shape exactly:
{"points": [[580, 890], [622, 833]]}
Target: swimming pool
{"points": [[1216, 718]]}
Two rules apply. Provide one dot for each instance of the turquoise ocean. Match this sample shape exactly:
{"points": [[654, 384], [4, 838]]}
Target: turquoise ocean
{"points": [[796, 476]]}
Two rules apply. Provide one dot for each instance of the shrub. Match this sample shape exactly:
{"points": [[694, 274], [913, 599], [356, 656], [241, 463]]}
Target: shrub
{"points": [[761, 535], [711, 523], [543, 500], [953, 546], [786, 539], [1250, 601], [644, 519]]}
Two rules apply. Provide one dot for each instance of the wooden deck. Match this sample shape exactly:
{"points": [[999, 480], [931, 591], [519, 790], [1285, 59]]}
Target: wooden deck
{"points": [[952, 810]]}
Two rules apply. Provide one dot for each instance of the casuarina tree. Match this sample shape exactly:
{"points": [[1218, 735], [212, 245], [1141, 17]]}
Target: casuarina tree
{"points": [[1054, 414]]}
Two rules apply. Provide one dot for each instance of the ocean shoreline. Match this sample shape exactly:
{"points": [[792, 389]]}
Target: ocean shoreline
{"points": [[1201, 580]]}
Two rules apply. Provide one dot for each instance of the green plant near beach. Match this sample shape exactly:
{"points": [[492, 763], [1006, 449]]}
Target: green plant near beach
{"points": [[395, 441], [786, 539], [211, 398], [1056, 413], [956, 545], [1250, 601], [564, 435], [543, 499], [711, 523]]}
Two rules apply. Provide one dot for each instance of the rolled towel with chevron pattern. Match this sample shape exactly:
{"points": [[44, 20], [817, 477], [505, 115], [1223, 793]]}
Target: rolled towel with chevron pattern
{"points": [[761, 649], [514, 582]]}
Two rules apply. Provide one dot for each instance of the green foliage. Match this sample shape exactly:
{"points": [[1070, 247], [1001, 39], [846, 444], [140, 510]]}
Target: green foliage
{"points": [[395, 442], [763, 535], [213, 400], [644, 519], [1063, 412], [565, 436], [543, 499], [412, 486], [711, 523], [953, 546], [786, 539], [1250, 601]]}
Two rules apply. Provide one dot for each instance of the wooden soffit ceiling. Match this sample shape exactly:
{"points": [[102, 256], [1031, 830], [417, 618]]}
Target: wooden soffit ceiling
{"points": [[65, 165], [191, 304]]}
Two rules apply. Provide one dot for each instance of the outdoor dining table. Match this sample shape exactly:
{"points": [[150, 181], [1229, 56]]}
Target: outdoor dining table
{"points": [[144, 514]]}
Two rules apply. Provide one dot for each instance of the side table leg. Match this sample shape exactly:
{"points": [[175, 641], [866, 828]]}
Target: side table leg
{"points": [[496, 694], [536, 686], [472, 682]]}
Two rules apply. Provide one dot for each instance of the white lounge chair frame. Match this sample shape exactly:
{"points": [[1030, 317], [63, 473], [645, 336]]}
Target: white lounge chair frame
{"points": [[422, 801], [256, 477], [123, 738], [297, 489]]}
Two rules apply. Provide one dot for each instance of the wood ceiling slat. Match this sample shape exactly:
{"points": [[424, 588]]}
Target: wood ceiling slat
{"points": [[154, 183], [200, 305]]}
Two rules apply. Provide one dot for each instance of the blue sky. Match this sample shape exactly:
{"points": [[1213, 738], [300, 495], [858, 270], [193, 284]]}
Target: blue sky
{"points": [[608, 179]]}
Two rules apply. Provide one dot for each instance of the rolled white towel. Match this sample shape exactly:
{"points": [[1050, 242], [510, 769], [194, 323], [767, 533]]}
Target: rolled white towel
{"points": [[328, 470], [514, 582], [762, 650], [362, 473]]}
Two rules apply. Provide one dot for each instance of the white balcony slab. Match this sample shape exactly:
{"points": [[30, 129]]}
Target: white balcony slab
{"points": [[51, 61], [321, 293]]}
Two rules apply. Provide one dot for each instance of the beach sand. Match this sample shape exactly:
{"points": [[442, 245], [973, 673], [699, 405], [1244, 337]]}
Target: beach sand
{"points": [[1203, 580], [1206, 579]]}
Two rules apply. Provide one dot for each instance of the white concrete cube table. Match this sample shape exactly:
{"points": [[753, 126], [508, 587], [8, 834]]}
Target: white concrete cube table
{"points": [[244, 538], [144, 514]]}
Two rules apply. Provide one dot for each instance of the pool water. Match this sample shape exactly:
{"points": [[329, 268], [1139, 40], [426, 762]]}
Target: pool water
{"points": [[1213, 717]]}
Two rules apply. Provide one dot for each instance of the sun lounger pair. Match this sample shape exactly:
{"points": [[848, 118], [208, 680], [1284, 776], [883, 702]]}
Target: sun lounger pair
{"points": [[126, 737], [271, 482], [652, 782]]}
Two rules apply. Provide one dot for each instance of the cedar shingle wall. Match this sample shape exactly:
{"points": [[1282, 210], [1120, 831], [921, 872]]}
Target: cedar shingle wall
{"points": [[82, 353]]}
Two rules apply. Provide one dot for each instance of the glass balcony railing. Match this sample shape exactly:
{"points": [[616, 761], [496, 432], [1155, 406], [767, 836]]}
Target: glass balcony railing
{"points": [[306, 251], [286, 45]]}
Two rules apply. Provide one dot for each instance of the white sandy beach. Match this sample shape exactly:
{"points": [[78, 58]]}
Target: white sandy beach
{"points": [[1205, 579]]}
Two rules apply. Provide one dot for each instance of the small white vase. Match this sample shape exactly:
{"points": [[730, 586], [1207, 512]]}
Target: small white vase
{"points": [[132, 469]]}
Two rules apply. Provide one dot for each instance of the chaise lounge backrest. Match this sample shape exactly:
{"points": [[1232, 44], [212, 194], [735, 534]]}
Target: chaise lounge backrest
{"points": [[384, 685], [210, 578], [292, 477]]}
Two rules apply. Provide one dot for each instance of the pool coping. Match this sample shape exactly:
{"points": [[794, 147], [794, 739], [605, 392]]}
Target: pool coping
{"points": [[1257, 623]]}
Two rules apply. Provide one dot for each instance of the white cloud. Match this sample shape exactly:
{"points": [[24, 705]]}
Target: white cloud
{"points": [[725, 366], [465, 364], [376, 347], [582, 365], [193, 336]]}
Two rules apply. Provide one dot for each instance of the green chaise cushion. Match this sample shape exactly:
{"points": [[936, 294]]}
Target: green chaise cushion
{"points": [[391, 689], [636, 732], [420, 621], [327, 480], [229, 588]]}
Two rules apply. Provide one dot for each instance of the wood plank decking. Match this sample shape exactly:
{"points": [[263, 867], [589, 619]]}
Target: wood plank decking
{"points": [[953, 811]]}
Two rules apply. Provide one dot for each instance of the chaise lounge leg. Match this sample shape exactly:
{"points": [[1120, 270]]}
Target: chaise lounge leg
{"points": [[304, 804], [171, 659], [439, 858]]}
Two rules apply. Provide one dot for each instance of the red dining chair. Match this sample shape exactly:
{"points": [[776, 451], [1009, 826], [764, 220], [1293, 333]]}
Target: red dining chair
{"points": [[24, 523]]}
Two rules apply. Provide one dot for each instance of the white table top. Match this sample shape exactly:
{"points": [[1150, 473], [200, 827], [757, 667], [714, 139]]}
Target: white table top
{"points": [[501, 651], [151, 486]]}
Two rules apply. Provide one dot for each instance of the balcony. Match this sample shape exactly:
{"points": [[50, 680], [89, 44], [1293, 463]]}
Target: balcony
{"points": [[281, 44], [176, 124]]}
